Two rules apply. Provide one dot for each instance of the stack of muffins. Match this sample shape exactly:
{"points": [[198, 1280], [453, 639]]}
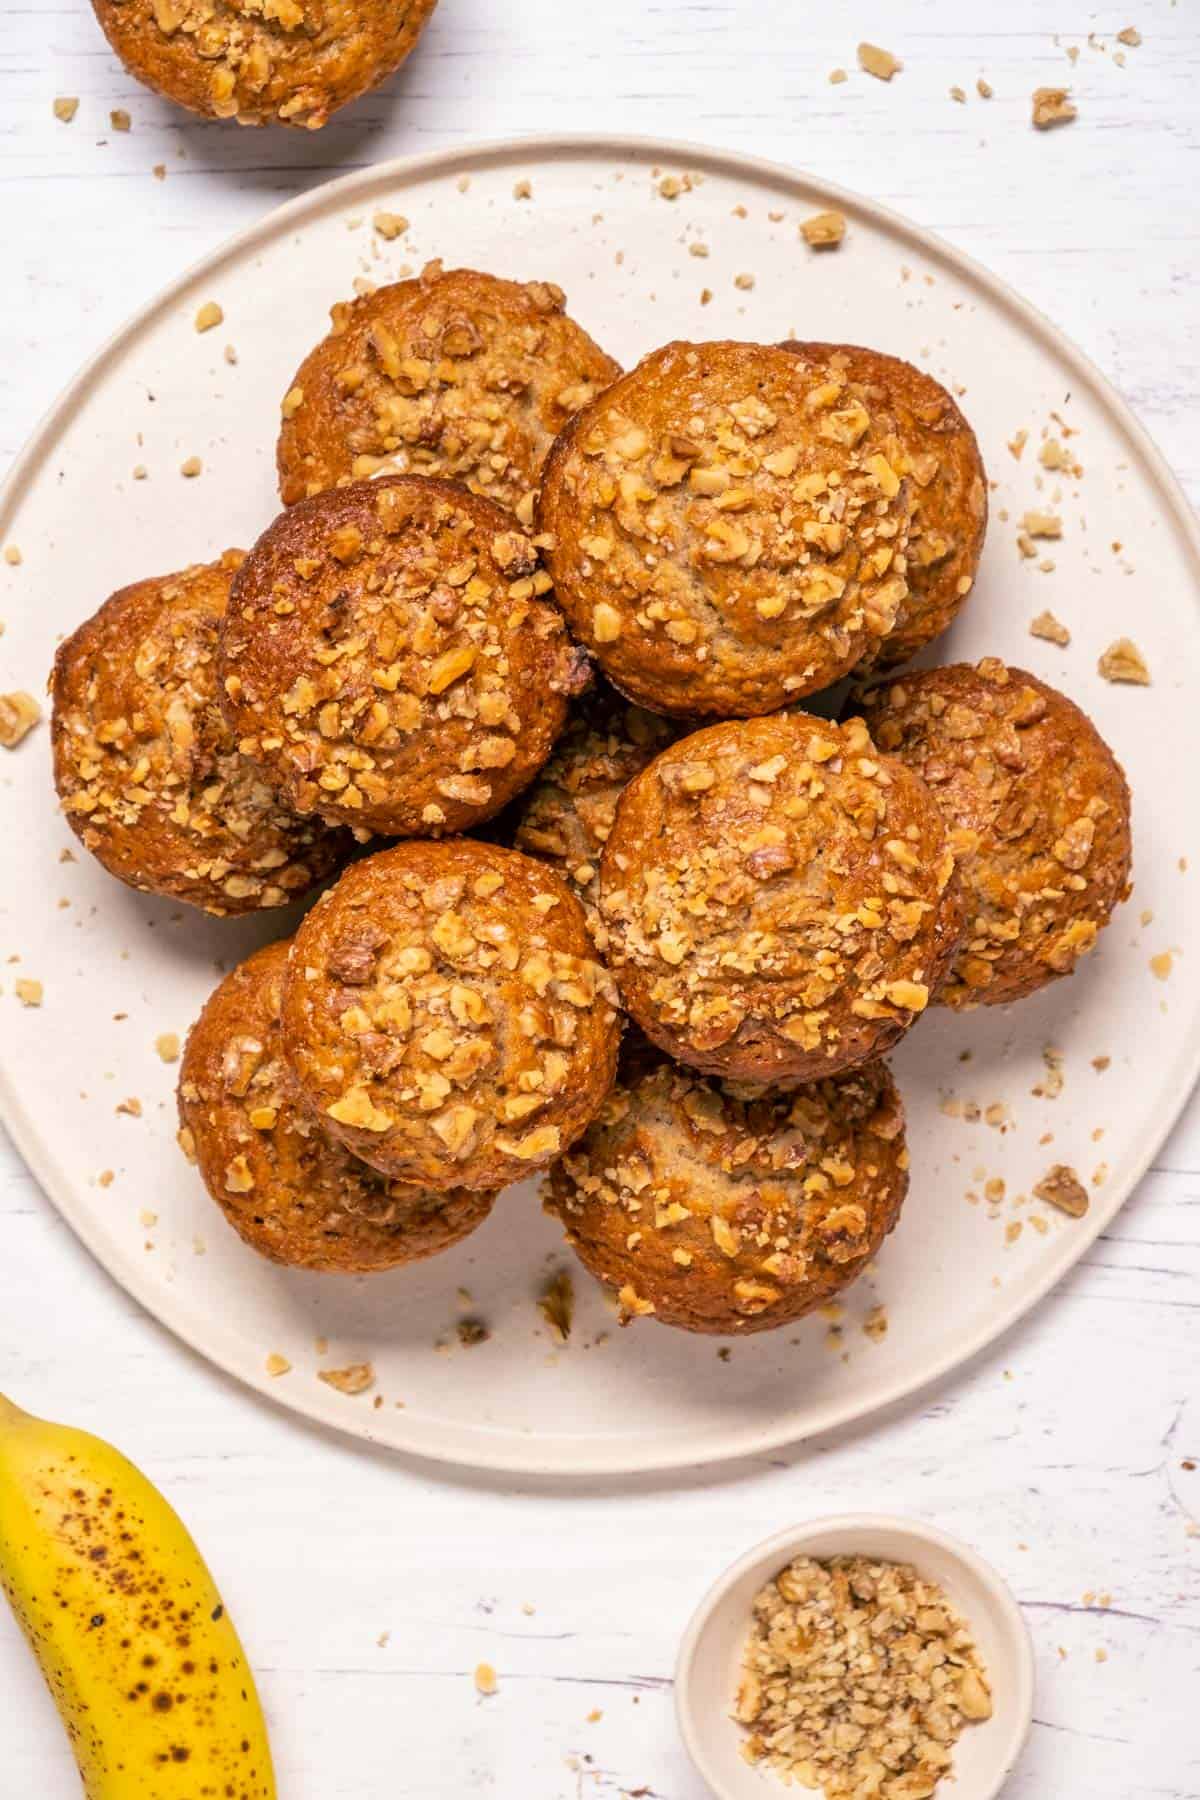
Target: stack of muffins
{"points": [[549, 631]]}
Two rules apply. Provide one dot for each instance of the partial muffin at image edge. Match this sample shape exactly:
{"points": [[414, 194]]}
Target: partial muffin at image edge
{"points": [[445, 1017], [150, 776], [780, 900], [292, 62], [728, 1209], [393, 658], [1039, 812], [455, 373], [289, 1190], [947, 486], [726, 528]]}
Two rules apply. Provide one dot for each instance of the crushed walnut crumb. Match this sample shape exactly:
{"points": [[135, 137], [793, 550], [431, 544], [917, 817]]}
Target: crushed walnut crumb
{"points": [[485, 1679], [984, 89], [191, 467], [888, 1732], [1161, 965], [1130, 35], [1061, 1187], [836, 76], [959, 94], [824, 230], [1124, 662], [356, 1378], [28, 991], [276, 1364], [389, 225], [19, 713], [1045, 625], [1051, 107], [65, 108], [880, 63], [120, 120], [208, 316], [167, 1046]]}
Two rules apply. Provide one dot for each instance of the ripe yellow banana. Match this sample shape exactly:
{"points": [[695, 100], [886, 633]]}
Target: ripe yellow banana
{"points": [[124, 1618]]}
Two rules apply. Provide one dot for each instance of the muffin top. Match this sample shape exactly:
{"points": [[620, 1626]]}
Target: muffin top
{"points": [[780, 899], [149, 774], [262, 62], [455, 373], [1039, 813], [722, 1209], [445, 1016], [947, 486], [393, 658], [287, 1188], [727, 528]]}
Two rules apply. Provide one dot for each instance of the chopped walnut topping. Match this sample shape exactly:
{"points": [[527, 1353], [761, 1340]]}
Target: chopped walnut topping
{"points": [[356, 1378], [19, 713], [1052, 107], [1124, 662], [1061, 1187], [880, 63], [918, 1679], [1045, 625], [824, 230]]}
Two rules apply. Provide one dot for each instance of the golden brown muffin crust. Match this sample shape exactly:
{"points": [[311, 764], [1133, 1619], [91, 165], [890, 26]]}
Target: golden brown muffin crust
{"points": [[445, 1016], [1039, 813], [456, 374], [150, 777], [721, 1209], [947, 487], [727, 528], [393, 657], [568, 813], [263, 61], [780, 899], [287, 1188]]}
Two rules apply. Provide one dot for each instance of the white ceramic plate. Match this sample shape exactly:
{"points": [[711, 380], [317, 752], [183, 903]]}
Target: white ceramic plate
{"points": [[119, 968]]}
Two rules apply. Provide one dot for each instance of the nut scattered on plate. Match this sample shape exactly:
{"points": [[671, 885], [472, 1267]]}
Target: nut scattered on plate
{"points": [[1052, 107], [858, 1677]]}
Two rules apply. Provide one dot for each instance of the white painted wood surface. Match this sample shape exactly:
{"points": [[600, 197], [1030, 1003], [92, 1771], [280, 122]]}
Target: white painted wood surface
{"points": [[1061, 1455]]}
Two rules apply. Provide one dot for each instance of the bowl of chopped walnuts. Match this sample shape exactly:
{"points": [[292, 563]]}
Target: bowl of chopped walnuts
{"points": [[864, 1656]]}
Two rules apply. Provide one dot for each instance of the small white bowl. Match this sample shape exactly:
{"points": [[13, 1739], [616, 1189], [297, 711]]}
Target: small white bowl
{"points": [[706, 1674]]}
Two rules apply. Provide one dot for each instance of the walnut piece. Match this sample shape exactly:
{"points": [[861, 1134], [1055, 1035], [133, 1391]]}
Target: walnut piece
{"points": [[19, 713], [880, 63], [1052, 107], [1123, 661], [356, 1378], [824, 230], [1061, 1187], [1048, 627]]}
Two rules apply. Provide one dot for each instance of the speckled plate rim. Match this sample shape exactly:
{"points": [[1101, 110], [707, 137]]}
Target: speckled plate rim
{"points": [[479, 1447]]}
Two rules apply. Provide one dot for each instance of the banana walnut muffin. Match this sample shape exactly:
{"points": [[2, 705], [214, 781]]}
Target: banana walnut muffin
{"points": [[455, 373], [150, 776], [726, 528], [262, 62], [727, 1209], [780, 899], [947, 486], [445, 1017], [1038, 808], [568, 813], [393, 658], [287, 1188]]}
